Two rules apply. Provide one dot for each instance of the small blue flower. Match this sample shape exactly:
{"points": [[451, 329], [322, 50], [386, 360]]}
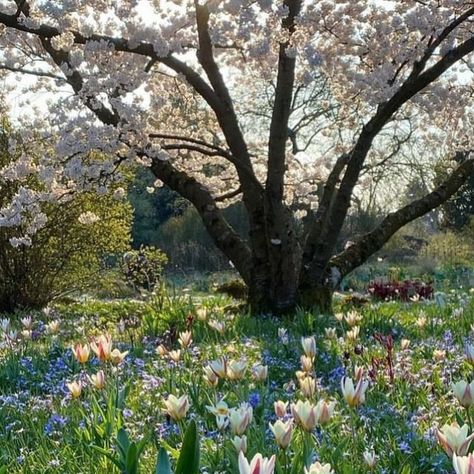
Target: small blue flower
{"points": [[254, 399]]}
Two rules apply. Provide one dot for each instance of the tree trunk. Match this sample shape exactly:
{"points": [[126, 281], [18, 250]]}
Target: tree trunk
{"points": [[318, 299]]}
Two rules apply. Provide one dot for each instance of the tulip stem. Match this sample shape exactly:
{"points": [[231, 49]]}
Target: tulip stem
{"points": [[469, 420], [353, 431], [285, 461]]}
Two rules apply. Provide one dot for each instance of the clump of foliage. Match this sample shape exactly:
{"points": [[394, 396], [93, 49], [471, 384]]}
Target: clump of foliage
{"points": [[143, 268], [401, 290], [235, 288], [449, 249], [63, 256]]}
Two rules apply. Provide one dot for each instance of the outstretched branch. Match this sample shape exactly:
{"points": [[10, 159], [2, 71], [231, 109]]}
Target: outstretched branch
{"points": [[32, 72], [359, 252], [224, 236], [323, 248]]}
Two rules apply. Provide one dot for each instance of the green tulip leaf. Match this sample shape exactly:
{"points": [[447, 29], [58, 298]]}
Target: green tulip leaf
{"points": [[188, 462], [163, 465]]}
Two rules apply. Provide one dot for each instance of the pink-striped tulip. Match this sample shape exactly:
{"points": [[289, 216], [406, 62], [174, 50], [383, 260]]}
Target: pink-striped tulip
{"points": [[102, 347], [454, 439], [463, 464], [258, 465], [282, 432], [81, 353]]}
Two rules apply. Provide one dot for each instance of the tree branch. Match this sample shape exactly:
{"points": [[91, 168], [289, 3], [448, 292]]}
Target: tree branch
{"points": [[32, 72], [224, 236], [358, 253], [414, 84], [281, 109]]}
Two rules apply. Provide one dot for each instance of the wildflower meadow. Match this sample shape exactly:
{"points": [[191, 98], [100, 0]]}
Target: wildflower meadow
{"points": [[204, 387]]}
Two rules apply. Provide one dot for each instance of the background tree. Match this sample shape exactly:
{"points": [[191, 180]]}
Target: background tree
{"points": [[397, 73]]}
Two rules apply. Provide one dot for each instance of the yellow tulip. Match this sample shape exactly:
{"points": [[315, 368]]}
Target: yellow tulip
{"points": [[175, 356], [75, 388], [307, 386], [81, 353]]}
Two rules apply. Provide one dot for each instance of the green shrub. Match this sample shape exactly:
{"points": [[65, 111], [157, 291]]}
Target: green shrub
{"points": [[65, 255], [143, 268]]}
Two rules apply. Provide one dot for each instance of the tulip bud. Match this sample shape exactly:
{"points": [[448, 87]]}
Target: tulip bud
{"points": [[309, 346], [307, 386], [240, 443], [318, 468], [324, 411], [282, 432], [260, 372], [222, 422], [75, 388], [161, 350], [201, 314], [405, 344], [358, 373], [439, 355], [240, 418], [210, 377], [469, 353], [464, 392], [280, 408], [306, 363]]}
